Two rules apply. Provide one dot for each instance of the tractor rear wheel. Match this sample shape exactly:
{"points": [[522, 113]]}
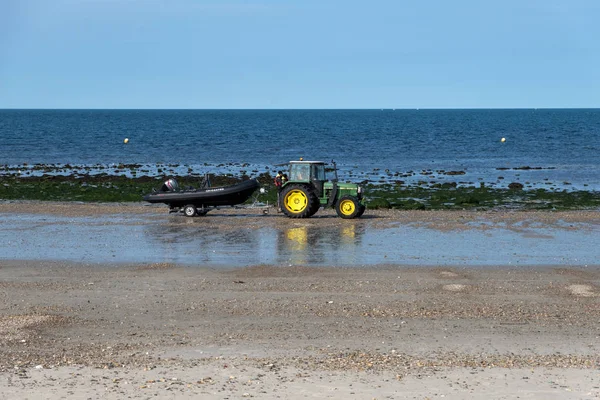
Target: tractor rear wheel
{"points": [[348, 207], [298, 201]]}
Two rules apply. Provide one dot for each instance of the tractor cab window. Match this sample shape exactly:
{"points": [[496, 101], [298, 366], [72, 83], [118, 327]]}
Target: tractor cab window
{"points": [[300, 172], [319, 172]]}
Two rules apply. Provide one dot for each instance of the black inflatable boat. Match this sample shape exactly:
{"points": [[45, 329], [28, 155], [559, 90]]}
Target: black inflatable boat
{"points": [[201, 200]]}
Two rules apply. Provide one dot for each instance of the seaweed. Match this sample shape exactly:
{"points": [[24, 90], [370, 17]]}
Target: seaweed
{"points": [[120, 188]]}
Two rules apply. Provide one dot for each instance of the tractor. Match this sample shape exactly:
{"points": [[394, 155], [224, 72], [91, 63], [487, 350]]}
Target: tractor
{"points": [[307, 189]]}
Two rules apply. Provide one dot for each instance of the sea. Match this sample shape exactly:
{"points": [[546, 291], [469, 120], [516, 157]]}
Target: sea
{"points": [[554, 149]]}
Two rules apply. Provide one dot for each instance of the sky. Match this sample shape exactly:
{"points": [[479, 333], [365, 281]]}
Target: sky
{"points": [[288, 54]]}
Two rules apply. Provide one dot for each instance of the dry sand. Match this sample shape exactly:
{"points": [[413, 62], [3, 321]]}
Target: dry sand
{"points": [[267, 332]]}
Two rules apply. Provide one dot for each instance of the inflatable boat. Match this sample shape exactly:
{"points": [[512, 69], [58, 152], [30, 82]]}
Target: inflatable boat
{"points": [[198, 201]]}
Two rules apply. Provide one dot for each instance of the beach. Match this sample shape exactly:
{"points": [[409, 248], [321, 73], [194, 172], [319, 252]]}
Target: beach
{"points": [[142, 330]]}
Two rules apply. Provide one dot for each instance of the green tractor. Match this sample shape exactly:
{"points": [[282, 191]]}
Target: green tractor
{"points": [[308, 189]]}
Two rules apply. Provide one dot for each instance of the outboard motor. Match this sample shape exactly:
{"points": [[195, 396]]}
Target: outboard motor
{"points": [[170, 185]]}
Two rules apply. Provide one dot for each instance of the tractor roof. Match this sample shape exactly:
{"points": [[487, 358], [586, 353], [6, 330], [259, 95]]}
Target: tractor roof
{"points": [[307, 162]]}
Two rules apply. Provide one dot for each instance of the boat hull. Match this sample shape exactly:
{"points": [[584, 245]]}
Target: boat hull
{"points": [[209, 197]]}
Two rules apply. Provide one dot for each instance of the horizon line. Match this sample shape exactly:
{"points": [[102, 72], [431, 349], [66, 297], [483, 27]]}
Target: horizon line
{"points": [[299, 109]]}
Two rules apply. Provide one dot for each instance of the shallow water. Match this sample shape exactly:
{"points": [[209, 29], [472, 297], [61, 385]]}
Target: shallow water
{"points": [[175, 239]]}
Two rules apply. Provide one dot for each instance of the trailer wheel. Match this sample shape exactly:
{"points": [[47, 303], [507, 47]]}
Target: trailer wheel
{"points": [[189, 210]]}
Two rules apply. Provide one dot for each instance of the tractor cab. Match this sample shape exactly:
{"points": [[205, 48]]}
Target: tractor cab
{"points": [[311, 172]]}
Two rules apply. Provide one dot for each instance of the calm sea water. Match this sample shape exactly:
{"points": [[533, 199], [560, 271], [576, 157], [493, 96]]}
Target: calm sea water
{"points": [[378, 145]]}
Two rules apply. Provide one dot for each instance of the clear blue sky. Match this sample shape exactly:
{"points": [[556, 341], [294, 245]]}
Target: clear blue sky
{"points": [[299, 54]]}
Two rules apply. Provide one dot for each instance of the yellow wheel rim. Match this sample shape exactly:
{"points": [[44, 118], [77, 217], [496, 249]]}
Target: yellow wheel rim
{"points": [[347, 207], [296, 201]]}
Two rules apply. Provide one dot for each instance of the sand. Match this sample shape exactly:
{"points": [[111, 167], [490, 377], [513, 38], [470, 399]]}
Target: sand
{"points": [[71, 330]]}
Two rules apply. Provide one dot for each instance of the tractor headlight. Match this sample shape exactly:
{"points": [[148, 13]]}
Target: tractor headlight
{"points": [[359, 190]]}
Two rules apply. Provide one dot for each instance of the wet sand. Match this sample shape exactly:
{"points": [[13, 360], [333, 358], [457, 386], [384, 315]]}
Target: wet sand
{"points": [[132, 233], [146, 330], [436, 218]]}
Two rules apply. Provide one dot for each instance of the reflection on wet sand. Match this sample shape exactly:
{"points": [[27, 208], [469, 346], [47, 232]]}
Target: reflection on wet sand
{"points": [[230, 240], [188, 241], [313, 244], [295, 242], [180, 241]]}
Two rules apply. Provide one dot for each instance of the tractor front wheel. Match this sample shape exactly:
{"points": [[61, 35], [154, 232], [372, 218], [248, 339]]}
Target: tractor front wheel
{"points": [[298, 201], [348, 207]]}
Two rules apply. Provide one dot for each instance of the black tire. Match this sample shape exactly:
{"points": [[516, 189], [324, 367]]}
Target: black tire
{"points": [[189, 210], [201, 212], [347, 207], [298, 201], [315, 208], [361, 211]]}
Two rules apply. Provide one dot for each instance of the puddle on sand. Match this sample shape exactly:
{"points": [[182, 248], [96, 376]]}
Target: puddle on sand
{"points": [[142, 239]]}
